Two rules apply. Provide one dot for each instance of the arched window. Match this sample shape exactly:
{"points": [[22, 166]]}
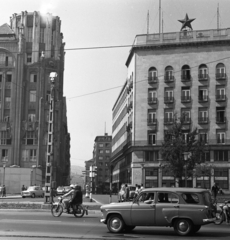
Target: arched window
{"points": [[152, 75], [169, 74], [220, 71], [185, 73], [203, 72], [5, 59]]}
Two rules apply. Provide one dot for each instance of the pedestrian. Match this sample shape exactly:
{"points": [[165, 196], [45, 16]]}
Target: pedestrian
{"points": [[215, 190], [23, 188], [127, 190], [142, 187], [3, 191]]}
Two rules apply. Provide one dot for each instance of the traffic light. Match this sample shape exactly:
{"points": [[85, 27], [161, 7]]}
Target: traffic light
{"points": [[94, 171]]}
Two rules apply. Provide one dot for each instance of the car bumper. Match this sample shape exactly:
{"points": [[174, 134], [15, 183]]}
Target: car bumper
{"points": [[103, 220], [209, 220]]}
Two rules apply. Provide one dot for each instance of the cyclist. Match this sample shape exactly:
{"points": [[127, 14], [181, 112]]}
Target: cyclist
{"points": [[70, 194]]}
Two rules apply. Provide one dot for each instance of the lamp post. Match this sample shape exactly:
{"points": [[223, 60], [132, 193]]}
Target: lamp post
{"points": [[31, 177], [4, 167], [186, 154]]}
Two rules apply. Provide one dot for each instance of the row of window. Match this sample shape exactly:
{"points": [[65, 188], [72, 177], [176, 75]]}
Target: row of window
{"points": [[102, 151], [101, 145], [186, 73], [27, 155], [7, 76]]}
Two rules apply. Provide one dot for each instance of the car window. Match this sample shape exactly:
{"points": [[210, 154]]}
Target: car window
{"points": [[167, 197], [190, 198], [207, 198], [142, 197]]}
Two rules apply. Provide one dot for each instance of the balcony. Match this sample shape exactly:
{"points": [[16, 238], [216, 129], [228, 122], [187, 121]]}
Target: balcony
{"points": [[130, 106], [151, 121], [202, 77], [220, 98], [186, 120], [169, 99], [203, 120], [129, 86], [168, 78], [185, 98], [152, 79], [168, 120], [152, 100], [220, 120], [220, 140], [220, 76], [203, 98], [185, 78], [129, 126]]}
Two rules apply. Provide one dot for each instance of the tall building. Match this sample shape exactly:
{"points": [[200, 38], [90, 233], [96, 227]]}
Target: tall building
{"points": [[32, 47], [101, 159], [177, 72]]}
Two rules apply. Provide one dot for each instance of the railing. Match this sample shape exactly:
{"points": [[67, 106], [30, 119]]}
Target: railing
{"points": [[152, 100], [151, 121], [185, 98], [202, 77], [203, 98], [203, 120], [152, 79], [221, 120], [186, 120], [220, 140], [169, 78], [220, 76], [168, 99], [168, 120], [220, 97], [185, 77]]}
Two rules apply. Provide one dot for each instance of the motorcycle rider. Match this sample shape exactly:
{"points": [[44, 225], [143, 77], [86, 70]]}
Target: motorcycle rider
{"points": [[70, 194], [226, 212]]}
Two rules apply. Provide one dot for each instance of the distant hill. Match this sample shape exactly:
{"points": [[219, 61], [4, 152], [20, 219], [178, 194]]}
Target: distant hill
{"points": [[77, 169], [76, 175]]}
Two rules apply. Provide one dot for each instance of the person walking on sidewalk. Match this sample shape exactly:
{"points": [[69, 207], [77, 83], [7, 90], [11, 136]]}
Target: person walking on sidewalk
{"points": [[215, 190], [3, 191]]}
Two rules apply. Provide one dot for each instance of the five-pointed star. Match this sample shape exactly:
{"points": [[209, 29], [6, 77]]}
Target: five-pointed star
{"points": [[186, 22]]}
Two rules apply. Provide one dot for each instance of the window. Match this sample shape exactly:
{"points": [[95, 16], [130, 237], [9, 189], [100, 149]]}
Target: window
{"points": [[33, 77], [220, 71], [4, 155], [185, 136], [33, 155], [221, 177], [220, 115], [221, 155], [8, 77], [167, 197], [30, 138], [190, 198], [48, 96], [31, 117], [185, 94], [100, 151], [32, 96], [29, 58], [5, 60], [107, 144], [185, 73], [0, 77], [169, 74], [186, 116], [5, 138], [203, 94], [107, 151], [168, 117], [152, 96], [152, 74], [168, 95], [25, 155], [8, 99], [100, 158], [205, 156], [29, 34], [151, 138], [203, 116], [220, 137], [42, 31], [203, 72], [152, 117], [203, 136], [220, 94], [100, 145], [151, 156]]}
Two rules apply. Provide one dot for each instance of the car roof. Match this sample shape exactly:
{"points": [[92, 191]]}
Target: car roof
{"points": [[175, 189]]}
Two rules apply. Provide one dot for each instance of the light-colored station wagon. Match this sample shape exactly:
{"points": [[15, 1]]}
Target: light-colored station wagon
{"points": [[184, 209]]}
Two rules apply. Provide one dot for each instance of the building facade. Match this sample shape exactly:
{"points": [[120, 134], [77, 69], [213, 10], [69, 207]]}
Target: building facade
{"points": [[184, 72], [32, 47], [101, 160]]}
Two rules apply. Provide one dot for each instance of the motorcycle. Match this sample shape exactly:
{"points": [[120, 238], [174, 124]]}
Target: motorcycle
{"points": [[224, 214], [78, 210]]}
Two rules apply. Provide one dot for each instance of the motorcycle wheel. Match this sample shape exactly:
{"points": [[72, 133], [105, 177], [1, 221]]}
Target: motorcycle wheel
{"points": [[79, 212], [56, 210], [219, 218]]}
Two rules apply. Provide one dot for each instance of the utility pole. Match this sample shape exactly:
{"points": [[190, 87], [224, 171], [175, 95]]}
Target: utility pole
{"points": [[159, 16], [218, 16], [49, 183], [92, 174], [148, 23]]}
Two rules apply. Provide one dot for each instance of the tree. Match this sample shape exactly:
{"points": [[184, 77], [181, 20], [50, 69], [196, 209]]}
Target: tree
{"points": [[203, 169], [176, 143]]}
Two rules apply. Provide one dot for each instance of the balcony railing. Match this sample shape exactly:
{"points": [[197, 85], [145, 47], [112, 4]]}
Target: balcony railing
{"points": [[152, 100], [203, 76], [151, 121], [185, 78], [169, 99], [220, 76], [168, 78], [130, 106], [168, 120], [203, 120], [221, 120], [152, 79], [185, 98], [203, 98], [220, 140], [220, 97], [186, 120]]}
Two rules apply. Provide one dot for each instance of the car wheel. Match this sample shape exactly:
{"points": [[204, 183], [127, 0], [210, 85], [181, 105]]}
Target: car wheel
{"points": [[219, 218], [115, 223], [33, 195], [183, 227], [129, 228], [196, 228]]}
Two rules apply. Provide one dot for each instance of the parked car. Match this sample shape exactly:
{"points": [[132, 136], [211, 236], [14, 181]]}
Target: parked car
{"points": [[66, 189], [132, 190], [184, 209], [33, 191], [60, 190]]}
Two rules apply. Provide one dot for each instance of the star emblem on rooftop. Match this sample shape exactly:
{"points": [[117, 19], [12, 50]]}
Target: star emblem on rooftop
{"points": [[186, 22]]}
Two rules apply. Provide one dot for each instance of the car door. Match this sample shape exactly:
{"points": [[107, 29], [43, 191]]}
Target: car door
{"points": [[167, 205], [143, 214]]}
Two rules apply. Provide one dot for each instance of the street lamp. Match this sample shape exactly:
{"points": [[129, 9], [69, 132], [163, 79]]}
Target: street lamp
{"points": [[186, 154]]}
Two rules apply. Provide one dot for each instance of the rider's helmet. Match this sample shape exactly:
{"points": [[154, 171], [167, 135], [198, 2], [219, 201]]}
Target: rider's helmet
{"points": [[72, 186]]}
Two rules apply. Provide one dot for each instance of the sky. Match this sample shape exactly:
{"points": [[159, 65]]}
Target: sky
{"points": [[93, 78]]}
